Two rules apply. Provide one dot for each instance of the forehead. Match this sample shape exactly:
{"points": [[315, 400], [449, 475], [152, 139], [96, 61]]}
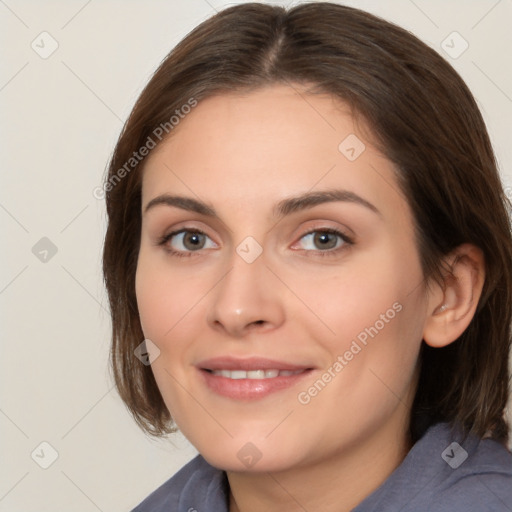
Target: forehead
{"points": [[259, 147]]}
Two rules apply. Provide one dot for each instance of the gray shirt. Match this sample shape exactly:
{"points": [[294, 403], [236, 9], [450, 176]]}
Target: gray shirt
{"points": [[441, 473]]}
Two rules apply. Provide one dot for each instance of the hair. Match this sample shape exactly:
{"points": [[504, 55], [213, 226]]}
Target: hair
{"points": [[423, 119]]}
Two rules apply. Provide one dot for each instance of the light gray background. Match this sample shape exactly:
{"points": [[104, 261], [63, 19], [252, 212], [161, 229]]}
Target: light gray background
{"points": [[60, 118]]}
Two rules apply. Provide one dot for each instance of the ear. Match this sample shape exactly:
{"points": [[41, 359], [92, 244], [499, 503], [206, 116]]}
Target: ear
{"points": [[452, 304]]}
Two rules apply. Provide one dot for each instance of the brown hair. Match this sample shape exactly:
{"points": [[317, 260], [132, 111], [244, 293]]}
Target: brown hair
{"points": [[424, 119]]}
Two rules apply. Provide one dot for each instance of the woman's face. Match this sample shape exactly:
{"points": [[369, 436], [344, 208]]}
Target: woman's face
{"points": [[293, 250]]}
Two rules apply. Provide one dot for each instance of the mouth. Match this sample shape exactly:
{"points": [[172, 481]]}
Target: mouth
{"points": [[252, 378], [254, 374]]}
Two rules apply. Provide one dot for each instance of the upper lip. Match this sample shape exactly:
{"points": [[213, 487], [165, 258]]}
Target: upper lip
{"points": [[247, 364]]}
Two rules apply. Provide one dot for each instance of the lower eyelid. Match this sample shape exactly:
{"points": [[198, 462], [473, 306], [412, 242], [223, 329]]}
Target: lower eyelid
{"points": [[165, 241], [341, 236]]}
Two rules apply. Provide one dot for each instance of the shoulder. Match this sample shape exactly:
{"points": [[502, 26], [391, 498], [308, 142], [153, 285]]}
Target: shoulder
{"points": [[197, 485], [483, 481], [445, 472]]}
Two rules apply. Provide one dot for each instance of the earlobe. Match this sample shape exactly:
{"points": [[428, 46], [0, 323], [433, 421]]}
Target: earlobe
{"points": [[453, 303]]}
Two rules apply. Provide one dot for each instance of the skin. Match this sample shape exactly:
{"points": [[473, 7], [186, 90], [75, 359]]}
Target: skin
{"points": [[241, 155]]}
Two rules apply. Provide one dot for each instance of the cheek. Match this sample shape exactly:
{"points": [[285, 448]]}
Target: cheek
{"points": [[166, 301], [370, 314], [390, 332], [365, 290], [153, 300], [164, 296]]}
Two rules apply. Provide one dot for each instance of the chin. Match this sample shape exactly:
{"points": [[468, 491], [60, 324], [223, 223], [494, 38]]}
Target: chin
{"points": [[273, 464], [257, 456]]}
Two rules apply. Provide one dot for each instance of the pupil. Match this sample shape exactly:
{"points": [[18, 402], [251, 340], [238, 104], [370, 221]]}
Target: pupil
{"points": [[193, 241], [325, 240]]}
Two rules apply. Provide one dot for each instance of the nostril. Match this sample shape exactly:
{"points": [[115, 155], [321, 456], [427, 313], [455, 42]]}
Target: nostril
{"points": [[255, 324]]}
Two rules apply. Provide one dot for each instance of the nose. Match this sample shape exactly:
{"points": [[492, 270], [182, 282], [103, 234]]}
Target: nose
{"points": [[247, 299]]}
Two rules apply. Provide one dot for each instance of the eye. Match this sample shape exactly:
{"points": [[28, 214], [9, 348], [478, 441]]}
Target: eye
{"points": [[186, 241], [323, 240]]}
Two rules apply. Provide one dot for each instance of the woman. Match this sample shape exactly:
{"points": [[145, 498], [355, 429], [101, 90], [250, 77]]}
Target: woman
{"points": [[308, 265]]}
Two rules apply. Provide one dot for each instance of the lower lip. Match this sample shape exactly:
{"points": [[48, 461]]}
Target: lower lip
{"points": [[250, 389]]}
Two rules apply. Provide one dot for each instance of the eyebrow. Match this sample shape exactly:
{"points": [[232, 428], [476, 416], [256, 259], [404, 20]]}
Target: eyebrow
{"points": [[283, 208]]}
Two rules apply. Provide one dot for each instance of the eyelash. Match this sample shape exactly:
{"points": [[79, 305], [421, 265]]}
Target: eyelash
{"points": [[180, 254], [347, 241]]}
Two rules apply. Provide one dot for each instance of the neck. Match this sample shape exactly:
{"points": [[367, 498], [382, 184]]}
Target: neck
{"points": [[338, 483]]}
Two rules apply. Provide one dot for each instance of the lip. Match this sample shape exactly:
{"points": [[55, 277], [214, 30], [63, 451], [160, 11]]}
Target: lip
{"points": [[247, 364], [249, 389]]}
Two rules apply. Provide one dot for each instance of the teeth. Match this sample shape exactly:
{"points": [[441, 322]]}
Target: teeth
{"points": [[237, 374], [254, 374]]}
